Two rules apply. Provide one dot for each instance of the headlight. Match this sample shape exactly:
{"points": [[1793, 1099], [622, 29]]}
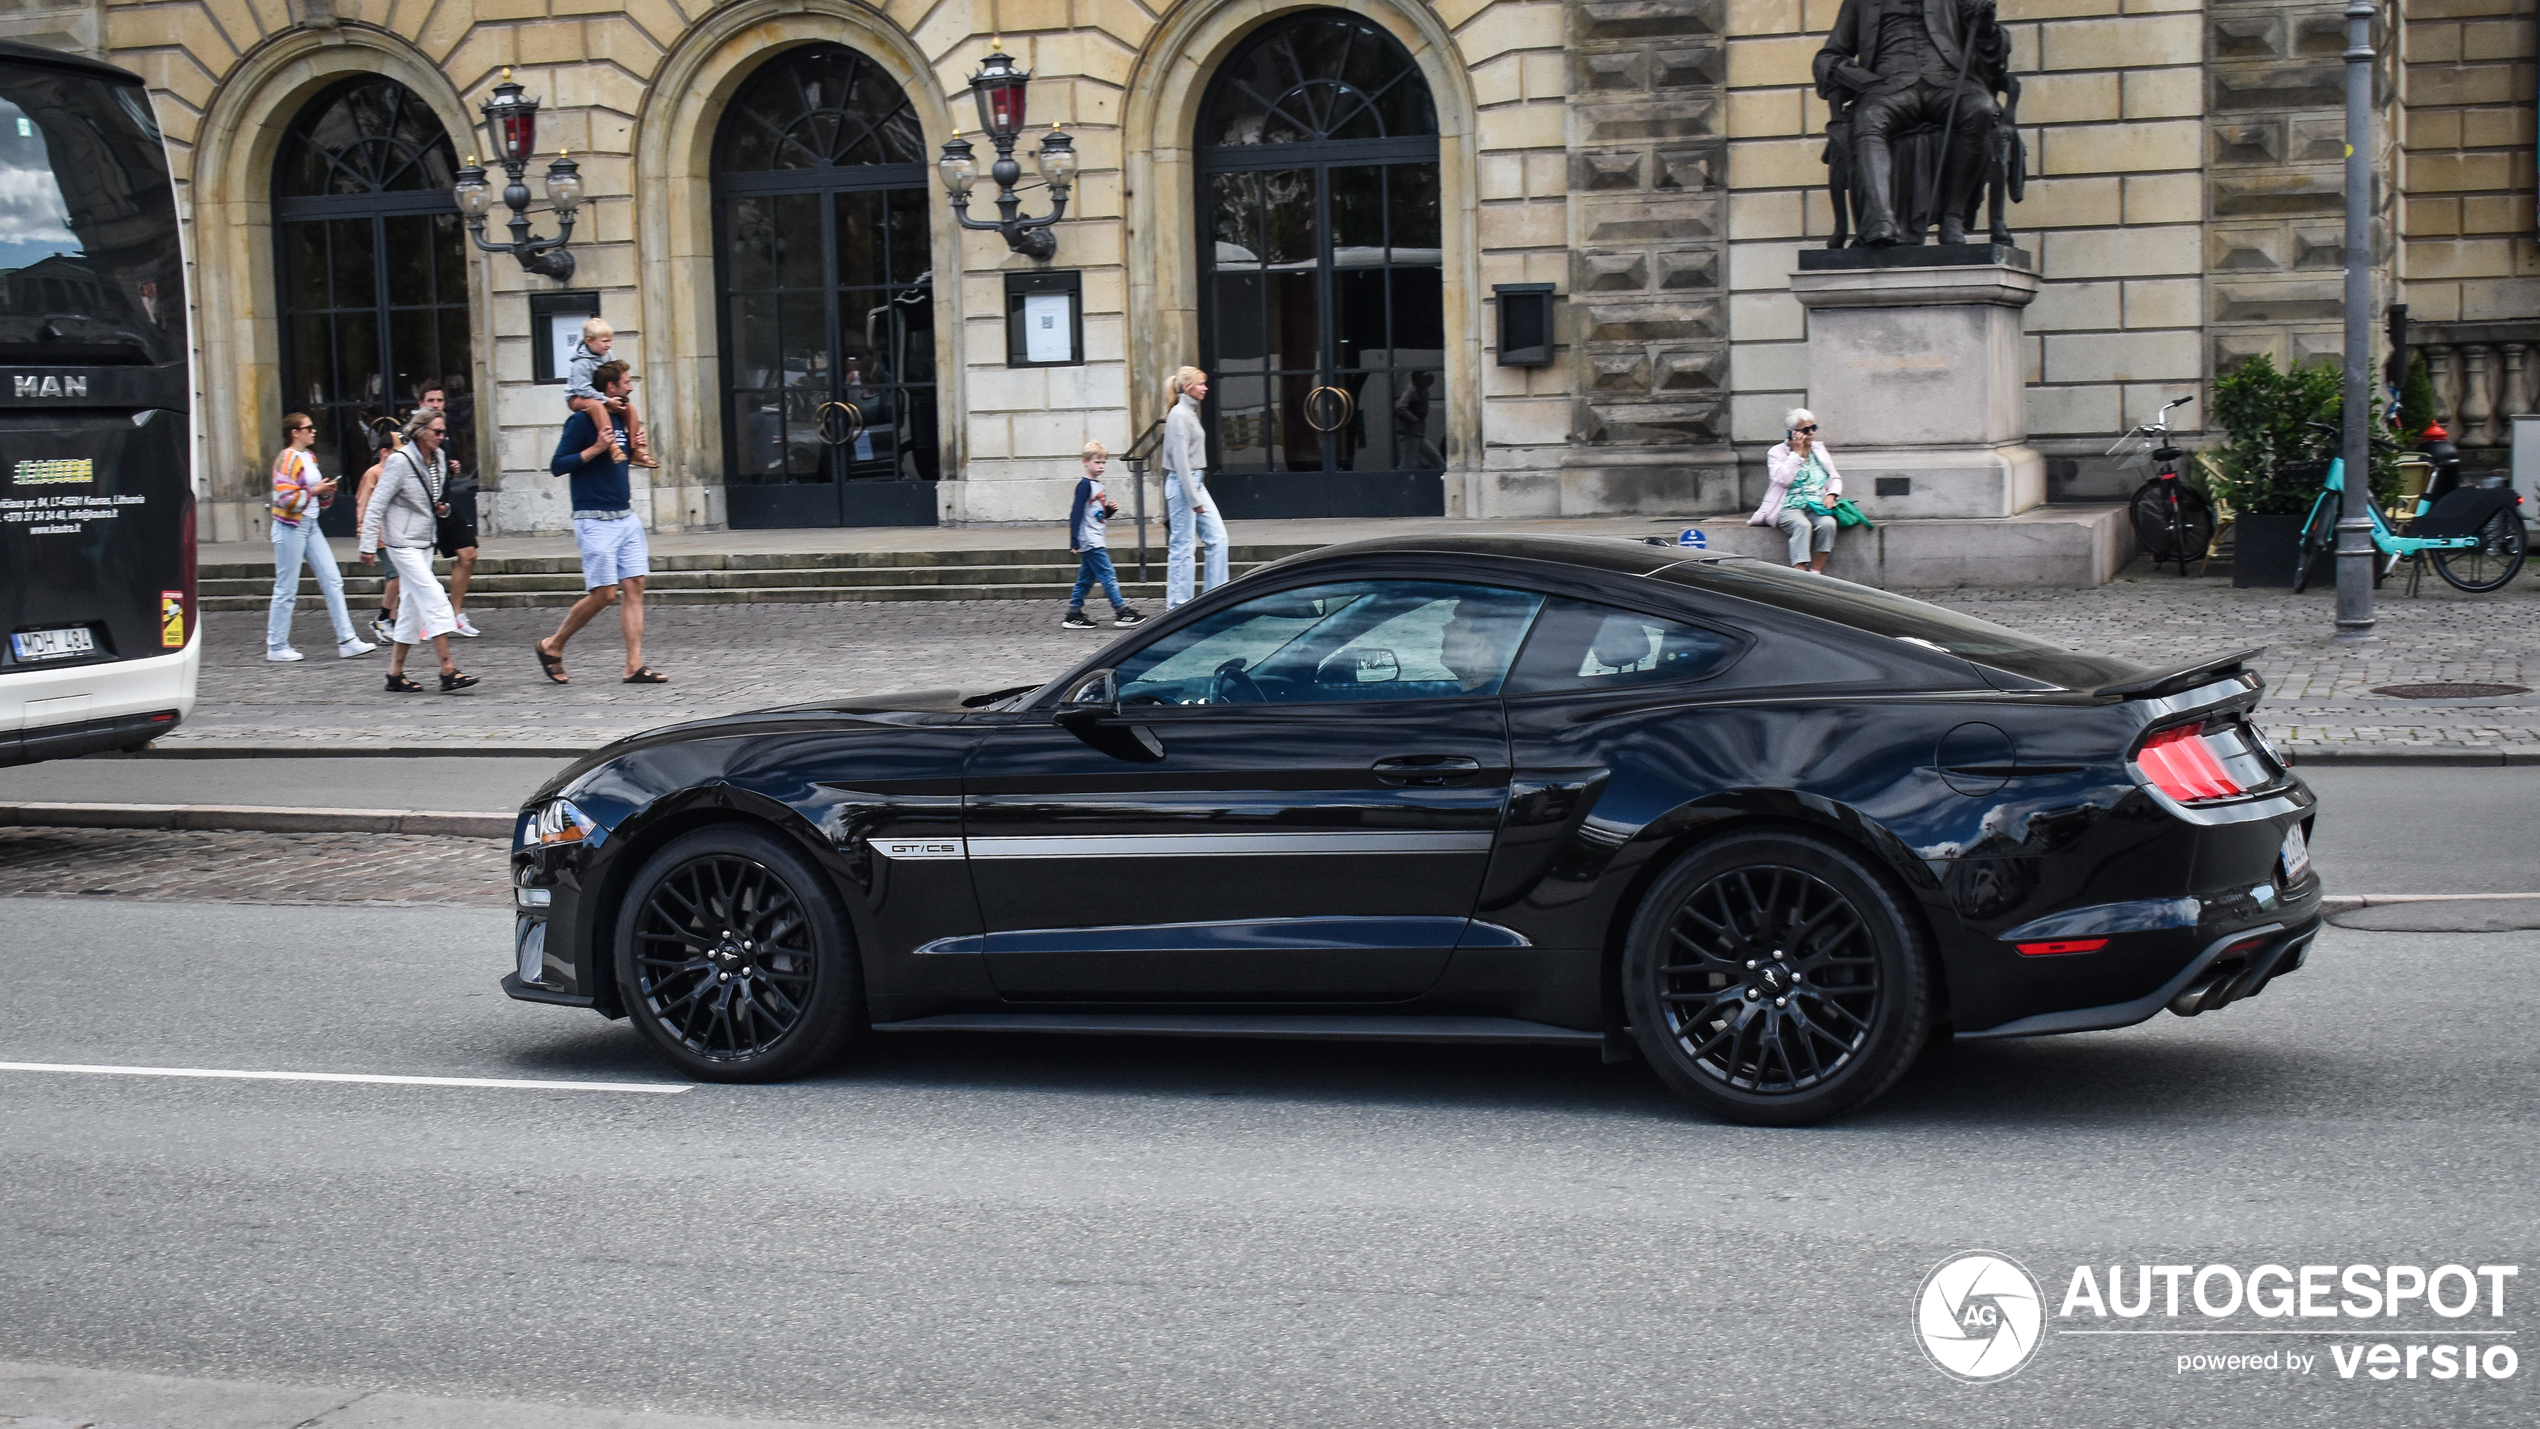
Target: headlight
{"points": [[555, 822]]}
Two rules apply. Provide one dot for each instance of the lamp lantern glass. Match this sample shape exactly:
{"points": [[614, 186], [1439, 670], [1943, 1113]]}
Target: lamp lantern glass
{"points": [[959, 167], [999, 87], [564, 185], [511, 121], [474, 197], [1056, 159]]}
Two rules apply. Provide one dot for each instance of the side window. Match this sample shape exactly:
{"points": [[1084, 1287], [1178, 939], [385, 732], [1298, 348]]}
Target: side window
{"points": [[1349, 642], [1579, 645]]}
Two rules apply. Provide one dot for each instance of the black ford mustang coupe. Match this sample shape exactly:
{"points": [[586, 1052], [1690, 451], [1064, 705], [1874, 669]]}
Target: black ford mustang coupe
{"points": [[1768, 830]]}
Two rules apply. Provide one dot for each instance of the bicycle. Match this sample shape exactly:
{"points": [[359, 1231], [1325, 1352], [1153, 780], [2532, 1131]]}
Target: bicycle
{"points": [[2172, 520], [2474, 533]]}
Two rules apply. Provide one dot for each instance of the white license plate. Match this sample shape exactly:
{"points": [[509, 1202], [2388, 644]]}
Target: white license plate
{"points": [[60, 643], [2297, 853]]}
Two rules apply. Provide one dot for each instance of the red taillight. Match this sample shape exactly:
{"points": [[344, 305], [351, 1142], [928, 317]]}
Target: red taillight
{"points": [[187, 563], [2184, 767], [2066, 945]]}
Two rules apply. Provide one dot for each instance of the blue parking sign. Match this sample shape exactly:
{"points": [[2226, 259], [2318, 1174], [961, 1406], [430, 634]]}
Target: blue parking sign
{"points": [[1694, 538]]}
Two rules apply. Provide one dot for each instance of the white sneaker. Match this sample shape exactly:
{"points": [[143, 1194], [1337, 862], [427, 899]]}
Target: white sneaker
{"points": [[284, 656], [467, 627], [386, 632], [353, 648]]}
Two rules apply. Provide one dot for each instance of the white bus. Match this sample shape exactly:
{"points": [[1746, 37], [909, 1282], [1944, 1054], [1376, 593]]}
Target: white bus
{"points": [[96, 417]]}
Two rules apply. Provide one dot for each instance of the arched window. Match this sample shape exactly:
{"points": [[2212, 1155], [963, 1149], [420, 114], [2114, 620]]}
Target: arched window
{"points": [[822, 207], [1322, 305], [372, 264]]}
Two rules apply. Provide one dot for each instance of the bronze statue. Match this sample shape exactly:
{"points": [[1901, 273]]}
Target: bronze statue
{"points": [[1893, 72]]}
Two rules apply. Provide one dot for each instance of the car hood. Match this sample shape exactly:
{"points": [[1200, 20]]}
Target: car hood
{"points": [[883, 711]]}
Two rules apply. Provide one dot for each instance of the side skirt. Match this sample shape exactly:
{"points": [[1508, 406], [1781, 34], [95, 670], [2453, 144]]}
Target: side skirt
{"points": [[1338, 1028]]}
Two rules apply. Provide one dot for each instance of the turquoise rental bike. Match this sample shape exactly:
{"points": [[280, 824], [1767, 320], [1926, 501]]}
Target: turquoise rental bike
{"points": [[2474, 534]]}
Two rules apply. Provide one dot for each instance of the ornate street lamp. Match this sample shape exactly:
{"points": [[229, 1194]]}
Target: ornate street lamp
{"points": [[511, 124], [998, 86]]}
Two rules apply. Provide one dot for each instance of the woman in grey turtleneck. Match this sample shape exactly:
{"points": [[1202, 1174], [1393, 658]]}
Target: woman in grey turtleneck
{"points": [[1190, 517]]}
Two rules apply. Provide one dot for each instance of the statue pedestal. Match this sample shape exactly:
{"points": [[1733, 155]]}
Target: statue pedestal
{"points": [[1916, 368]]}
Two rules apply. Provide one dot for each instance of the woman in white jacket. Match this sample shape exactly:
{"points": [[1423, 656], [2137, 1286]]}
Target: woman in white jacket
{"points": [[1800, 500], [403, 512], [1191, 519]]}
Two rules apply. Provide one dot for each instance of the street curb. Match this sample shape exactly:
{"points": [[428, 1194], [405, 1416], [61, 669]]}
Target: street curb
{"points": [[2349, 902], [2393, 755], [254, 819]]}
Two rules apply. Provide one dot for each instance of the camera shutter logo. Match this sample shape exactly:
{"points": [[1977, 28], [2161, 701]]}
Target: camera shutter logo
{"points": [[1979, 1316]]}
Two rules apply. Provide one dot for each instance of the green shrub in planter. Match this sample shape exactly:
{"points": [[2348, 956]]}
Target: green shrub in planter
{"points": [[2259, 470]]}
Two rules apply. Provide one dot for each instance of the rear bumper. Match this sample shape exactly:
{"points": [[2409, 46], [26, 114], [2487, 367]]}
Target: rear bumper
{"points": [[2235, 966], [63, 712]]}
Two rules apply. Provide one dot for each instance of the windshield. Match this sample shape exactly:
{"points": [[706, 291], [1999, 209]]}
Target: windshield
{"points": [[88, 248], [1980, 642]]}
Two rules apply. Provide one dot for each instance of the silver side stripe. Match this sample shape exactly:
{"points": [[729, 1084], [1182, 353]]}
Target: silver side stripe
{"points": [[1186, 845]]}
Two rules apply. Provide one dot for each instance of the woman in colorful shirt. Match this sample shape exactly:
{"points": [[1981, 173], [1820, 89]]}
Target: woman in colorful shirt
{"points": [[1800, 501], [300, 490]]}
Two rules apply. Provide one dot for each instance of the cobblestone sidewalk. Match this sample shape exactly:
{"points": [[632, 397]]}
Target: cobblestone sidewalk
{"points": [[394, 870], [722, 659]]}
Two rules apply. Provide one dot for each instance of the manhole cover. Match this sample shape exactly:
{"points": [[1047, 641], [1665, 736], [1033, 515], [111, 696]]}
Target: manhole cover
{"points": [[2448, 691]]}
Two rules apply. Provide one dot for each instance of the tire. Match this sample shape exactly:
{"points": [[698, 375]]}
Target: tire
{"points": [[733, 960], [2317, 562], [1755, 1025], [2492, 563], [2172, 522]]}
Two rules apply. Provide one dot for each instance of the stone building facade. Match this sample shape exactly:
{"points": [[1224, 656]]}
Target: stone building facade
{"points": [[1656, 162]]}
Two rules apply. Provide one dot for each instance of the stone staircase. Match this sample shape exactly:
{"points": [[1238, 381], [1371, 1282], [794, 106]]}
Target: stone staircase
{"points": [[807, 577]]}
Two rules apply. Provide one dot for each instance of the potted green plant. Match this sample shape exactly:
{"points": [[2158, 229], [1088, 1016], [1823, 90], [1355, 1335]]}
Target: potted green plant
{"points": [[2272, 462]]}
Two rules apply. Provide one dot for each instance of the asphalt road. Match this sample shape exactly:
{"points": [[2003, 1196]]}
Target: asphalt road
{"points": [[463, 785], [1114, 1232]]}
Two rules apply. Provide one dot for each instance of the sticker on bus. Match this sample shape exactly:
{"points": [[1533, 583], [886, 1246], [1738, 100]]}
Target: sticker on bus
{"points": [[172, 619]]}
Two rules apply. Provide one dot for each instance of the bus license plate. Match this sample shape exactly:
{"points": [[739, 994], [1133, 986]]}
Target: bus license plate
{"points": [[60, 643], [2297, 853]]}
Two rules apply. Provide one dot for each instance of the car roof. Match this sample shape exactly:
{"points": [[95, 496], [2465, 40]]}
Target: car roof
{"points": [[1618, 555]]}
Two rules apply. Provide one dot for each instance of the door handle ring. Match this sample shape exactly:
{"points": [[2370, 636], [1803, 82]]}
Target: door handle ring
{"points": [[1347, 406], [855, 423]]}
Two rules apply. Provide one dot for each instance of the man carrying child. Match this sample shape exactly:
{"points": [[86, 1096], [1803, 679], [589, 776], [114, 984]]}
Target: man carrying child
{"points": [[582, 395], [1088, 537]]}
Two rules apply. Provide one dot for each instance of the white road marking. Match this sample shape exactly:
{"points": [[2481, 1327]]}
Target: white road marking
{"points": [[659, 1089]]}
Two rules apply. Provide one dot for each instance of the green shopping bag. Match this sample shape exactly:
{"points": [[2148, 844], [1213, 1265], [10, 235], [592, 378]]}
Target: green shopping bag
{"points": [[1848, 513]]}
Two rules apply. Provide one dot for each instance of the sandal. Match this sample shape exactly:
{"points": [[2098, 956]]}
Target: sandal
{"points": [[646, 675], [552, 664], [398, 684], [456, 681]]}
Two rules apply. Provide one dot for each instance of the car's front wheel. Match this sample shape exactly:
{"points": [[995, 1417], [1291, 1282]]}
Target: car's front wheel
{"points": [[1773, 979], [733, 960]]}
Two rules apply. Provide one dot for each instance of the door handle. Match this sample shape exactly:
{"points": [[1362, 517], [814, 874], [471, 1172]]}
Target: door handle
{"points": [[1425, 769]]}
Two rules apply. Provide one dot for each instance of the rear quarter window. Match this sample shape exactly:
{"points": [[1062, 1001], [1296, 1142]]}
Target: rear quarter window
{"points": [[1581, 645]]}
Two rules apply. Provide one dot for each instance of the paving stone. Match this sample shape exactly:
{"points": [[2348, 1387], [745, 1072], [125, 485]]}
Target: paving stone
{"points": [[398, 870], [721, 659]]}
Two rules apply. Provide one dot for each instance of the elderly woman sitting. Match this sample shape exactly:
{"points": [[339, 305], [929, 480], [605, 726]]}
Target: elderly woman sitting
{"points": [[1800, 500]]}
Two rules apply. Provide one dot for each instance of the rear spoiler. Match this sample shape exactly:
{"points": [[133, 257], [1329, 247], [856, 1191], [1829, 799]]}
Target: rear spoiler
{"points": [[2183, 677]]}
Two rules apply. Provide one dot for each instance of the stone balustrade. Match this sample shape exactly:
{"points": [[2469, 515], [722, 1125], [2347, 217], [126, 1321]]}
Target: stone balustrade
{"points": [[2483, 373]]}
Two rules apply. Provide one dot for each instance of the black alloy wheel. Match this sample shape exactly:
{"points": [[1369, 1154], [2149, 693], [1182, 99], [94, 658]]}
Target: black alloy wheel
{"points": [[2492, 563], [1773, 979], [732, 959]]}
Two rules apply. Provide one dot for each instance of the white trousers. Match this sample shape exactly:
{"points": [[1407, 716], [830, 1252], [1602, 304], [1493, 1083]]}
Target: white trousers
{"points": [[1184, 530], [423, 608]]}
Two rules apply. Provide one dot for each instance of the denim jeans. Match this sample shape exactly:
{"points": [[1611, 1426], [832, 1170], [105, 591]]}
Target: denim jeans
{"points": [[291, 546], [1093, 567], [1185, 528]]}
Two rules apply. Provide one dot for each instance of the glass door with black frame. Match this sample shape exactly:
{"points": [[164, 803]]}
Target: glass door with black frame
{"points": [[1322, 293], [829, 352]]}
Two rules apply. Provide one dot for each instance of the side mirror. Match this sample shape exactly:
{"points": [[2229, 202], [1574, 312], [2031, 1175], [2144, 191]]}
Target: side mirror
{"points": [[1094, 698]]}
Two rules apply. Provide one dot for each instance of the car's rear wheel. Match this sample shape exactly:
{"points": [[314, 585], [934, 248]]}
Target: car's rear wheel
{"points": [[733, 961], [1774, 979]]}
